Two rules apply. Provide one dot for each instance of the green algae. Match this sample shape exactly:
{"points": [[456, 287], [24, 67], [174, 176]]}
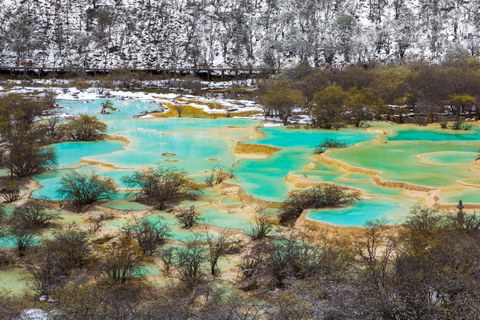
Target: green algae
{"points": [[468, 196], [13, 281]]}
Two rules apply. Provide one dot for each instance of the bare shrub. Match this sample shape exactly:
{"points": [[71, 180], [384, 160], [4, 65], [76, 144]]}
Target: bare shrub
{"points": [[188, 217], [323, 196], [148, 235], [163, 186], [83, 189]]}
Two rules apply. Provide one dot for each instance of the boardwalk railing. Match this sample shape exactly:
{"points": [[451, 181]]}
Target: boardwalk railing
{"points": [[208, 73]]}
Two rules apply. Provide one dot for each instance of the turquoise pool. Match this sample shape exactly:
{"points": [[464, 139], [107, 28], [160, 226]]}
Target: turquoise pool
{"points": [[427, 157]]}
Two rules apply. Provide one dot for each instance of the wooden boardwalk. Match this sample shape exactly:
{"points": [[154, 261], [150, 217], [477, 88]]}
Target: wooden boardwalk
{"points": [[206, 73]]}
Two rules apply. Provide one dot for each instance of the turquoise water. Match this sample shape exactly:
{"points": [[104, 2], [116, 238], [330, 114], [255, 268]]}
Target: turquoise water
{"points": [[307, 139], [192, 151], [50, 181], [194, 146], [125, 205], [436, 135], [209, 215], [7, 242], [70, 153], [176, 231], [383, 209], [358, 181], [451, 158], [125, 108], [264, 178], [436, 158], [219, 217], [149, 270], [399, 161]]}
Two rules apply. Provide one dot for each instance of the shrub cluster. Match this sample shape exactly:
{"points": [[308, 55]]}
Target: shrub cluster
{"points": [[323, 196]]}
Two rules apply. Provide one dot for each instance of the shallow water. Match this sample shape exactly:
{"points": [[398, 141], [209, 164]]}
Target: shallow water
{"points": [[421, 156], [125, 205], [450, 158], [177, 233], [382, 209], [70, 153], [264, 178], [219, 217], [435, 135], [402, 161], [13, 281], [470, 196], [149, 270], [7, 242], [230, 201]]}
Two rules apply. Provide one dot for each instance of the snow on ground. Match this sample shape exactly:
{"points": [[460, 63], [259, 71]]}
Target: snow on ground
{"points": [[222, 106], [271, 124], [232, 107], [34, 314]]}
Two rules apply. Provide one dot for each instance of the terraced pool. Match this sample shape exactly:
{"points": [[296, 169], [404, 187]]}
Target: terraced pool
{"points": [[438, 160]]}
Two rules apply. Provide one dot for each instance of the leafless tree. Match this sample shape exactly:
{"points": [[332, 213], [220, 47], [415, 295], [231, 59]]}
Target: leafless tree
{"points": [[121, 262], [24, 157], [163, 186], [217, 176], [148, 235], [56, 258], [189, 262], [261, 227], [83, 189], [24, 238], [218, 246], [9, 189], [167, 255], [188, 217], [34, 214]]}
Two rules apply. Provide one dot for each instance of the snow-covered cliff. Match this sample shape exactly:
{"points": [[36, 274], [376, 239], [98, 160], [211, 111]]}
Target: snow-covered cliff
{"points": [[151, 33]]}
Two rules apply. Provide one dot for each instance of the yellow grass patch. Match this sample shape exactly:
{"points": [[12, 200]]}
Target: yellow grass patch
{"points": [[211, 105], [187, 111], [242, 148]]}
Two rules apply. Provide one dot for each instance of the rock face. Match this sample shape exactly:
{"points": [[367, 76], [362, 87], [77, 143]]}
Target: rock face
{"points": [[166, 33]]}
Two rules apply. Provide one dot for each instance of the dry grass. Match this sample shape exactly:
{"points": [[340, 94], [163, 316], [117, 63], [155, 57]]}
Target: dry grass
{"points": [[211, 105], [81, 84], [245, 113], [9, 85], [187, 112]]}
